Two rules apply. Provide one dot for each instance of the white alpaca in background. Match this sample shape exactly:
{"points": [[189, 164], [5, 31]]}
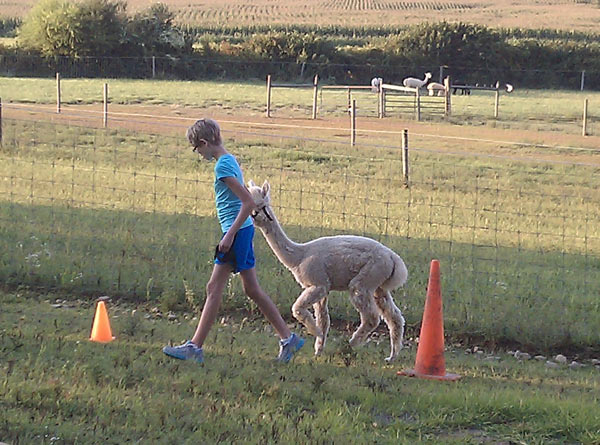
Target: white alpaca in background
{"points": [[413, 82], [376, 84], [363, 266]]}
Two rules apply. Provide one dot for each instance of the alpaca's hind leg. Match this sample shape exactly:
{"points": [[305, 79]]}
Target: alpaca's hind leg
{"points": [[369, 315], [393, 318], [323, 322], [308, 297]]}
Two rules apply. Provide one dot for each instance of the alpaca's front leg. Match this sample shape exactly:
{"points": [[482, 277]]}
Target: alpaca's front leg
{"points": [[323, 322], [307, 298]]}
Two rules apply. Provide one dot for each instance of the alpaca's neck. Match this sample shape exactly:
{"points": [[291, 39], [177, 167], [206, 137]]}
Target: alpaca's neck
{"points": [[287, 251]]}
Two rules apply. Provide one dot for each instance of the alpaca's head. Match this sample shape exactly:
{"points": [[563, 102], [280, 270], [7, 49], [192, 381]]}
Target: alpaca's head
{"points": [[262, 198], [427, 76]]}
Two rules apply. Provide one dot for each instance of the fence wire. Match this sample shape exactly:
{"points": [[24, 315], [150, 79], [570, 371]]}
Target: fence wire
{"points": [[132, 214]]}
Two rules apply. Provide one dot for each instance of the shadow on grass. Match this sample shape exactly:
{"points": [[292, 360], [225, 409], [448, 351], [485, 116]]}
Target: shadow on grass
{"points": [[543, 300]]}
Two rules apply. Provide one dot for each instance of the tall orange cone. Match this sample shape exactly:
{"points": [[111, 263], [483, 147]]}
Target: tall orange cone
{"points": [[430, 363], [101, 328]]}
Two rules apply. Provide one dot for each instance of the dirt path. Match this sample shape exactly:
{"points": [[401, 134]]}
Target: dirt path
{"points": [[438, 136]]}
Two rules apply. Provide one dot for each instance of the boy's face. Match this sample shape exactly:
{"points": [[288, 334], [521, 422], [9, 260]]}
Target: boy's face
{"points": [[204, 148]]}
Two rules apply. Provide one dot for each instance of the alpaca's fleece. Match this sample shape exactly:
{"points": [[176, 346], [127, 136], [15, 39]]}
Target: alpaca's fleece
{"points": [[363, 266]]}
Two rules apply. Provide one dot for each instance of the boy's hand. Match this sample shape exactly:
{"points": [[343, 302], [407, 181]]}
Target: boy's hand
{"points": [[225, 243]]}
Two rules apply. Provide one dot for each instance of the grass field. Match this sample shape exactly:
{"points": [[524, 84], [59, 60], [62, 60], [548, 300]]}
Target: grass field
{"points": [[132, 214], [581, 15], [56, 387], [540, 110]]}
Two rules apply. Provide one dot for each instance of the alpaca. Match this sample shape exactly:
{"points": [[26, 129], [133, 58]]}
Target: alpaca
{"points": [[416, 83], [376, 84], [507, 86], [363, 266], [460, 85], [436, 89]]}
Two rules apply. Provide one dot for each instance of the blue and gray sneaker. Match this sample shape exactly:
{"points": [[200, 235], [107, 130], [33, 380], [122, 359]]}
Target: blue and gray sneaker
{"points": [[288, 347], [186, 351]]}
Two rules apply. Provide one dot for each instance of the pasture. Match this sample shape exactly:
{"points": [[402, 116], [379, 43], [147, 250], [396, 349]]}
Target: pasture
{"points": [[580, 15], [131, 214], [56, 387], [509, 206], [549, 115]]}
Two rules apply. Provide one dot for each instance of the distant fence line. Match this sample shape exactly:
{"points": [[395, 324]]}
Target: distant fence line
{"points": [[194, 67]]}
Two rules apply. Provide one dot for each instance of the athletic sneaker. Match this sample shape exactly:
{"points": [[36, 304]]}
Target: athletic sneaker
{"points": [[186, 351], [288, 347]]}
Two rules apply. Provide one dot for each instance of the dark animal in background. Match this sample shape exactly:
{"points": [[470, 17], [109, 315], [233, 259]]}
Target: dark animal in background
{"points": [[464, 91]]}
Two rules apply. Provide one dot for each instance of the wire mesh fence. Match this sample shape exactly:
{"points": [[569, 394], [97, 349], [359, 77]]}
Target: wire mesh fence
{"points": [[132, 214]]}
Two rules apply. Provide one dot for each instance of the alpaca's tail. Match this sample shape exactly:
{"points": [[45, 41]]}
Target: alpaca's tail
{"points": [[398, 276]]}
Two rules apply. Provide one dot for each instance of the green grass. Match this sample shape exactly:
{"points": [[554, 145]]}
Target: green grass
{"points": [[555, 110], [58, 387], [133, 215]]}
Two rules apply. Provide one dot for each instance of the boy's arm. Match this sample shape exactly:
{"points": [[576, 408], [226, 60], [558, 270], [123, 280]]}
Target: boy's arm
{"points": [[247, 206]]}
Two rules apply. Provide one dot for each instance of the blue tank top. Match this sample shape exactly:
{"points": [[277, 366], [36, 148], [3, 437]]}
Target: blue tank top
{"points": [[228, 204]]}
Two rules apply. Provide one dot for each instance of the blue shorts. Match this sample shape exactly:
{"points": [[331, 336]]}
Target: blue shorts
{"points": [[241, 254]]}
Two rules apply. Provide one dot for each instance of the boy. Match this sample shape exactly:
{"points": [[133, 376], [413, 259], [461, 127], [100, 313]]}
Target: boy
{"points": [[235, 251]]}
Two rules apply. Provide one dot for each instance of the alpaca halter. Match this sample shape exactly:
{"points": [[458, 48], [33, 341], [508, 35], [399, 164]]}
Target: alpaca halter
{"points": [[263, 209]]}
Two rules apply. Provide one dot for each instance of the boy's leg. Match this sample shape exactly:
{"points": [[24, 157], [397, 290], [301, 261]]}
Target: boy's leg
{"points": [[214, 294], [263, 301]]}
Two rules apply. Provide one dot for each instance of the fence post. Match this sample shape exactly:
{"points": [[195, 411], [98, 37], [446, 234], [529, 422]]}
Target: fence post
{"points": [[405, 156], [447, 97], [585, 116], [441, 73], [153, 67], [381, 101], [58, 93], [315, 95], [268, 95], [105, 111], [302, 69], [353, 123], [418, 96], [496, 102], [582, 79]]}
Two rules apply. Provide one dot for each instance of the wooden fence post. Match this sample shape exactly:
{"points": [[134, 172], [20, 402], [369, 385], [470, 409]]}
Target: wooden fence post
{"points": [[58, 93], [268, 95], [447, 97], [418, 97], [496, 102], [353, 123], [582, 80], [381, 101], [405, 156], [585, 116], [315, 95], [153, 67], [105, 111]]}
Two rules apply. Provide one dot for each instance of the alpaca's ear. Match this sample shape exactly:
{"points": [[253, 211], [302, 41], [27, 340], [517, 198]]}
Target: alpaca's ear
{"points": [[266, 189], [251, 183]]}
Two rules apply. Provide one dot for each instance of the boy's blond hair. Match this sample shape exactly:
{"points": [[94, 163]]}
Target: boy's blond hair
{"points": [[204, 129]]}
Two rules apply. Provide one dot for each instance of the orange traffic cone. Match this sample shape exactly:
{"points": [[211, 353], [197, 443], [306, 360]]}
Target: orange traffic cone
{"points": [[101, 327], [430, 363]]}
